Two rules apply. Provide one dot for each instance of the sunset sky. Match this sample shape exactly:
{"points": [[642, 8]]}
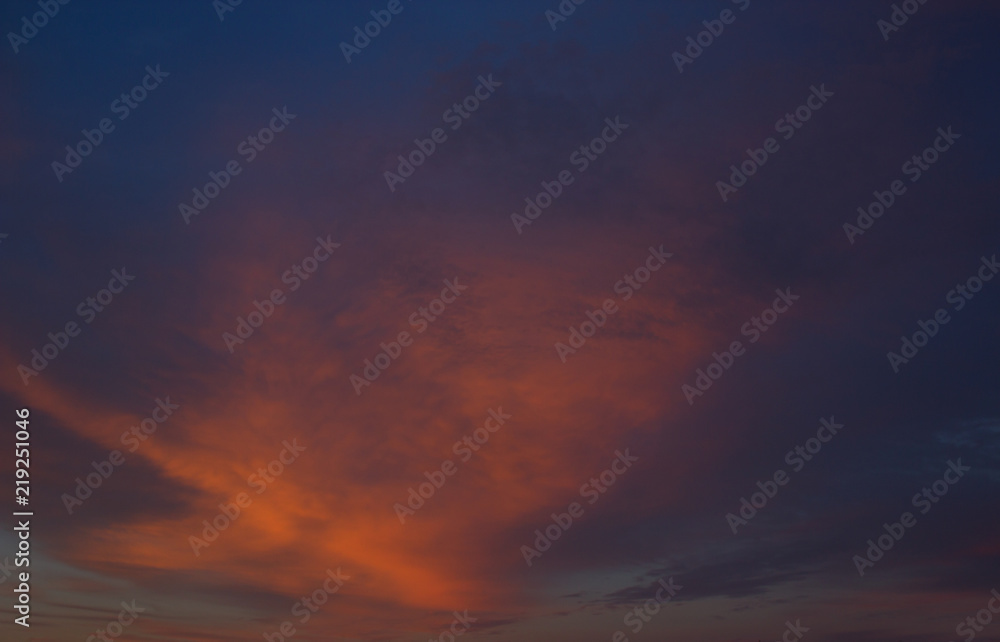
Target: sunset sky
{"points": [[637, 261]]}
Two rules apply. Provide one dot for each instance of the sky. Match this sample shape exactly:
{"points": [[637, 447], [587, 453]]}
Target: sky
{"points": [[521, 321]]}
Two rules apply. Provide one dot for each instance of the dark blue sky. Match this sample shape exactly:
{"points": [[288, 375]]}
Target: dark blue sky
{"points": [[530, 287]]}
